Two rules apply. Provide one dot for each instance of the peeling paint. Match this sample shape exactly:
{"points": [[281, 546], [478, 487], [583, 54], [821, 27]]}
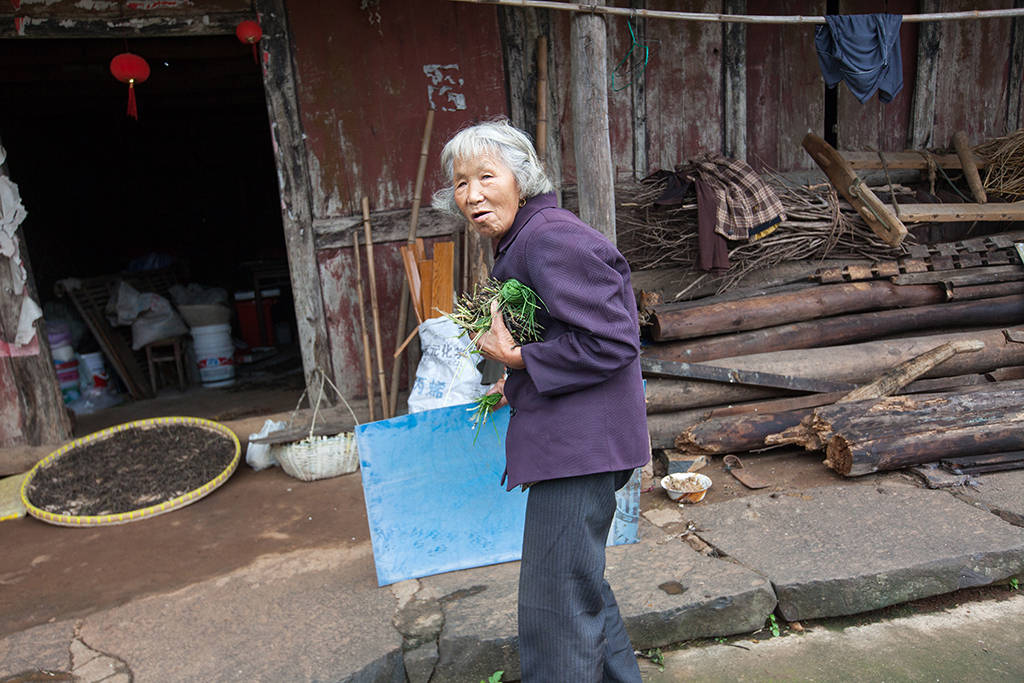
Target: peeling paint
{"points": [[443, 84], [95, 5], [46, 3], [157, 4]]}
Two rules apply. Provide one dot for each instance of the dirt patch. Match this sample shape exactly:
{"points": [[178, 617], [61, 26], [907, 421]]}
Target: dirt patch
{"points": [[130, 470]]}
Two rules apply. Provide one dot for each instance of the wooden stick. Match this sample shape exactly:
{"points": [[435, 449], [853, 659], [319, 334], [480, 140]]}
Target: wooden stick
{"points": [[403, 306], [634, 13], [408, 339], [963, 150], [367, 354], [907, 371], [375, 308], [542, 98]]}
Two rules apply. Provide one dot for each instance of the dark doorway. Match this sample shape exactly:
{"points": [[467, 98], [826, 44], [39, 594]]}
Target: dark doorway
{"points": [[192, 180]]}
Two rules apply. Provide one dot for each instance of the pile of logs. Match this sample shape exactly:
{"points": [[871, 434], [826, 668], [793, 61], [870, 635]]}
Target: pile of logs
{"points": [[881, 366]]}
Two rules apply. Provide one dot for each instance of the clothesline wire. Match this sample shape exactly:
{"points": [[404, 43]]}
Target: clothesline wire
{"points": [[637, 13]]}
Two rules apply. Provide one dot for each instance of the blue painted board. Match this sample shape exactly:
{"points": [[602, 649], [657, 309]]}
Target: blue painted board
{"points": [[434, 500]]}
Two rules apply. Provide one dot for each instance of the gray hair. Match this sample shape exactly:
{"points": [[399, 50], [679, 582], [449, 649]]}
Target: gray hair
{"points": [[511, 145]]}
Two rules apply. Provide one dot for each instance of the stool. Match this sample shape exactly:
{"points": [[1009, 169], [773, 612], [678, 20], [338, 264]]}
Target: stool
{"points": [[165, 351]]}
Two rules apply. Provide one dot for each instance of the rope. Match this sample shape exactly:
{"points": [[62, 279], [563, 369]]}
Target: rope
{"points": [[636, 72], [888, 179]]}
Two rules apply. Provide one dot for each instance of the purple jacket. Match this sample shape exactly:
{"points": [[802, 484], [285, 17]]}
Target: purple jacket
{"points": [[578, 407]]}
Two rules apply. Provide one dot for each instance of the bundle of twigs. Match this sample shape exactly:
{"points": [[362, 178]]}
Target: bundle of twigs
{"points": [[1005, 173], [818, 225]]}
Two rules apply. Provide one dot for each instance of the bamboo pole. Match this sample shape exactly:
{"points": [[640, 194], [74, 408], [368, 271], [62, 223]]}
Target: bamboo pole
{"points": [[375, 308], [634, 13], [542, 99], [367, 354], [403, 306]]}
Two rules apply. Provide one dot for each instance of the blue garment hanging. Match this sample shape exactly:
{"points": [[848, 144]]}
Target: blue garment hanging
{"points": [[864, 51]]}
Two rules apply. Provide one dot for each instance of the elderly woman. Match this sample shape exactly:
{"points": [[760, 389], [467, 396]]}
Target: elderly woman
{"points": [[578, 423]]}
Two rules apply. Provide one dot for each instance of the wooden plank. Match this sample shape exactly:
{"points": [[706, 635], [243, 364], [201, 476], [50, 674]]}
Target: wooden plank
{"points": [[412, 276], [442, 276], [426, 270], [875, 213], [899, 161], [664, 368], [952, 213]]}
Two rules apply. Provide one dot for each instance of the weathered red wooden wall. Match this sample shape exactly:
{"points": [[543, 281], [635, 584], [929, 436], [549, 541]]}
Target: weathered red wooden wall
{"points": [[365, 86], [973, 70], [366, 79], [874, 124]]}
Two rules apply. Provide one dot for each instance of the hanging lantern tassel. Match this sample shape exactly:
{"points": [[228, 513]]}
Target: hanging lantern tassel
{"points": [[131, 69], [249, 32]]}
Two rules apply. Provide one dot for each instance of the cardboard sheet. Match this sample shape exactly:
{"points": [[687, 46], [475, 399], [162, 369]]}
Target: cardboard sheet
{"points": [[434, 500]]}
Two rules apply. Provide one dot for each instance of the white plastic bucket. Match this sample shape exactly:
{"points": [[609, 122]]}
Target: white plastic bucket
{"points": [[215, 354], [95, 368]]}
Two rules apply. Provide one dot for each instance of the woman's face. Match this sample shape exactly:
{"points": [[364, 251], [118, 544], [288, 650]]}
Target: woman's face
{"points": [[486, 193]]}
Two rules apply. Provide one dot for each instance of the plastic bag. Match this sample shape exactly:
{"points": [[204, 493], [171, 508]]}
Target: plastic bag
{"points": [[151, 316], [95, 399], [447, 373], [258, 455]]}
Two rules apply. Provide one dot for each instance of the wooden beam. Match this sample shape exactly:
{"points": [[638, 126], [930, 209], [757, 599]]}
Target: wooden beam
{"points": [[734, 83], [295, 190], [954, 213], [591, 139], [902, 161], [136, 26], [875, 213]]}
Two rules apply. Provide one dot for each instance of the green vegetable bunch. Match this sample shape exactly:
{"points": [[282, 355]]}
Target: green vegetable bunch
{"points": [[518, 305], [482, 408]]}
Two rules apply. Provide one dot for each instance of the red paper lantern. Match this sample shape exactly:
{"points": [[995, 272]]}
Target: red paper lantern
{"points": [[131, 69], [249, 32]]}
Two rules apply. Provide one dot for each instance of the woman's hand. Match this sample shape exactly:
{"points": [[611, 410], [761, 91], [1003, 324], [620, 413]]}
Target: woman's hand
{"points": [[499, 388], [497, 343]]}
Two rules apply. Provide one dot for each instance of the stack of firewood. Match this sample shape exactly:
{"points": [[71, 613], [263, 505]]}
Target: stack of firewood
{"points": [[880, 365]]}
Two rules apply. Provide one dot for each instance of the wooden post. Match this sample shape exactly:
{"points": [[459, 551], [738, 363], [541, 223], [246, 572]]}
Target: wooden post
{"points": [[591, 142], [734, 83], [282, 95], [638, 91], [1015, 83], [35, 403], [922, 112], [963, 150], [542, 98]]}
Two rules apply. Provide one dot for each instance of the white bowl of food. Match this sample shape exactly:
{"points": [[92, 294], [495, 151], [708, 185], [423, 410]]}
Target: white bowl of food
{"points": [[686, 487]]}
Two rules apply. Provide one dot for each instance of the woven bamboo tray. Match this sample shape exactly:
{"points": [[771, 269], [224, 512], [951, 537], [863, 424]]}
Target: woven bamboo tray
{"points": [[141, 513]]}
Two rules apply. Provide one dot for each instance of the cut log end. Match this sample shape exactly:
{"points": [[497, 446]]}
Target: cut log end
{"points": [[838, 456]]}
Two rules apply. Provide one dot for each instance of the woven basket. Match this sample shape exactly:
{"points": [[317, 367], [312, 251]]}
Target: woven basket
{"points": [[318, 457]]}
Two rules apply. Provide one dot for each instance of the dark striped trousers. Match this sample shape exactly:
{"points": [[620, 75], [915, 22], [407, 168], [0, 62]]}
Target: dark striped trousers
{"points": [[570, 629]]}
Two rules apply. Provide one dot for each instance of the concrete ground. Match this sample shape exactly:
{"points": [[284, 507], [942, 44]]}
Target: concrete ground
{"points": [[270, 578], [976, 641]]}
